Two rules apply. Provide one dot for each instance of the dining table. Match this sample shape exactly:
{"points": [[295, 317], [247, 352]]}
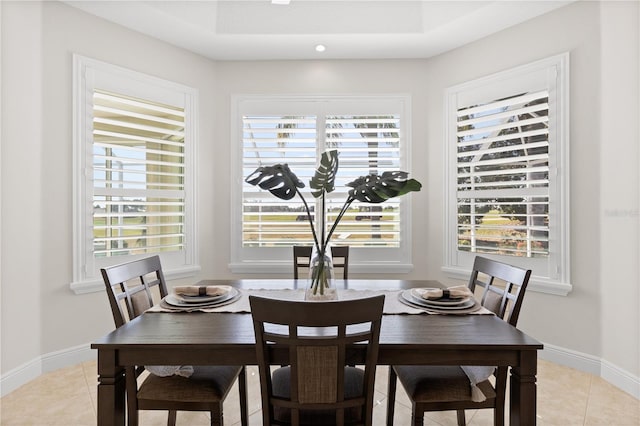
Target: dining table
{"points": [[227, 338]]}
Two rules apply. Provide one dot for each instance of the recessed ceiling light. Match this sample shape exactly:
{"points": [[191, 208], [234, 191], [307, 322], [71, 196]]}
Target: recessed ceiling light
{"points": [[320, 48], [282, 2]]}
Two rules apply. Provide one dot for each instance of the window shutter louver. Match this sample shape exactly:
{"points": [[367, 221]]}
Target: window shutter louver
{"points": [[503, 176], [138, 176]]}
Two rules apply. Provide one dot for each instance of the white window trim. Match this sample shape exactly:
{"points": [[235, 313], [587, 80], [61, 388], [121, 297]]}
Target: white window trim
{"points": [[280, 260], [560, 283], [86, 273]]}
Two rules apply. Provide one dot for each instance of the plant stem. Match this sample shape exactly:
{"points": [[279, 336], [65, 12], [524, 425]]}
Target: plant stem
{"points": [[306, 207], [343, 210]]}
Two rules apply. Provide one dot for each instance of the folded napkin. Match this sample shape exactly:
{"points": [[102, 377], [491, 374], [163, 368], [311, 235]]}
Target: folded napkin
{"points": [[458, 292], [170, 370], [194, 290], [477, 374]]}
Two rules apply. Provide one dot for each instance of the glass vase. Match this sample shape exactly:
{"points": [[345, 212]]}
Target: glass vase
{"points": [[321, 286]]}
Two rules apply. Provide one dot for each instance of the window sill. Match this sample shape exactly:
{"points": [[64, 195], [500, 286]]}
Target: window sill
{"points": [[537, 284], [93, 285]]}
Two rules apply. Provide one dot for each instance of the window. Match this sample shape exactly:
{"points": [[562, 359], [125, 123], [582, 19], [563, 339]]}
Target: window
{"points": [[134, 176], [371, 137], [507, 153]]}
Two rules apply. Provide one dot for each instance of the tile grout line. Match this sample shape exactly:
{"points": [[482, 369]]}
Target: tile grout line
{"points": [[588, 399]]}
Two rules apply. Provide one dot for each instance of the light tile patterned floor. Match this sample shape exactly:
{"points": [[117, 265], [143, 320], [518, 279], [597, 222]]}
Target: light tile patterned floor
{"points": [[566, 397]]}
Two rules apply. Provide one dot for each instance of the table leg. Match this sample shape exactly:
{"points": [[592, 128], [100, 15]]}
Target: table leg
{"points": [[523, 390], [111, 390]]}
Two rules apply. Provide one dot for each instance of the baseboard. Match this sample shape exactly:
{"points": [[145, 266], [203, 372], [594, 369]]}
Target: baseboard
{"points": [[621, 379], [569, 358], [19, 376], [613, 374], [23, 374]]}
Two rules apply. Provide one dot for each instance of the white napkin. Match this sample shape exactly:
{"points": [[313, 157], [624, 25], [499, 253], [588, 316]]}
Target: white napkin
{"points": [[457, 292], [170, 370], [477, 374]]}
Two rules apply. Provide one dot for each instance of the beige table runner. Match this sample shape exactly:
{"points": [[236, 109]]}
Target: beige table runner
{"points": [[392, 303]]}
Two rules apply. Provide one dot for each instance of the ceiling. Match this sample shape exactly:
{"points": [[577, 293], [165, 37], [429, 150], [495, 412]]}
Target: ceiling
{"points": [[350, 29]]}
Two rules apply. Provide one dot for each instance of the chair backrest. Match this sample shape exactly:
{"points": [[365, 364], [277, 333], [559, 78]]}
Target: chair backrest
{"points": [[131, 287], [302, 258], [317, 336], [504, 287]]}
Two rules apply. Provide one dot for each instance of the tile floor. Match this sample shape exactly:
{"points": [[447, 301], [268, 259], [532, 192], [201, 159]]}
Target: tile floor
{"points": [[566, 397]]}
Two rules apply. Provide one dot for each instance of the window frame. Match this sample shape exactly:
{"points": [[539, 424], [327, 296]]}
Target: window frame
{"points": [[279, 259], [90, 74], [551, 274]]}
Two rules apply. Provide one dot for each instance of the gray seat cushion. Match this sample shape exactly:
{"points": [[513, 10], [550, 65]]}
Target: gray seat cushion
{"points": [[426, 383], [353, 387], [206, 384]]}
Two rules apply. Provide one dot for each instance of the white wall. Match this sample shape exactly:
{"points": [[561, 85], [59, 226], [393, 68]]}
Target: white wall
{"points": [[619, 178], [40, 315], [22, 110], [39, 39]]}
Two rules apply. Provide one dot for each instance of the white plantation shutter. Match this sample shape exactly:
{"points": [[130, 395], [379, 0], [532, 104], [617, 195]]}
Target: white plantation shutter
{"points": [[267, 140], [138, 169], [134, 147], [507, 172], [366, 144], [368, 133], [503, 176]]}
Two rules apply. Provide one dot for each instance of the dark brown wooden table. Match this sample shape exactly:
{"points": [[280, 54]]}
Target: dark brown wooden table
{"points": [[227, 338]]}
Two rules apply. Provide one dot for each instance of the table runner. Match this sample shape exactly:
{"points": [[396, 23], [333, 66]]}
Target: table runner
{"points": [[392, 303]]}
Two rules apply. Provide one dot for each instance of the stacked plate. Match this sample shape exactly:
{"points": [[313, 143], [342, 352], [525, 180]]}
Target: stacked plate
{"points": [[183, 302], [444, 305]]}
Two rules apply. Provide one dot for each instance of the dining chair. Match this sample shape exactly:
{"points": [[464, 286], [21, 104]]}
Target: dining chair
{"points": [[302, 258], [445, 388], [131, 288], [318, 386]]}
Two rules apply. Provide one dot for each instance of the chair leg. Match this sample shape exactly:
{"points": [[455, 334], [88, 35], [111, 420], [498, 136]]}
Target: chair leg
{"points": [[417, 415], [498, 414], [171, 419], [217, 416], [391, 395], [461, 419], [131, 387], [132, 416], [242, 387]]}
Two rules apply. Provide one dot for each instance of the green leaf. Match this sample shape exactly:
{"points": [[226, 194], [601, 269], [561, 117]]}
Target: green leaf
{"points": [[325, 176], [277, 179], [378, 189]]}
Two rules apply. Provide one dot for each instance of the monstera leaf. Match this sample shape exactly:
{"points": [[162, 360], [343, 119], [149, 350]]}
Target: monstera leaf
{"points": [[278, 180], [325, 176], [378, 189]]}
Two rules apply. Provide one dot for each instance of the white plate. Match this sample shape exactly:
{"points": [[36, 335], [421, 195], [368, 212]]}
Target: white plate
{"points": [[415, 293], [408, 296], [175, 300]]}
